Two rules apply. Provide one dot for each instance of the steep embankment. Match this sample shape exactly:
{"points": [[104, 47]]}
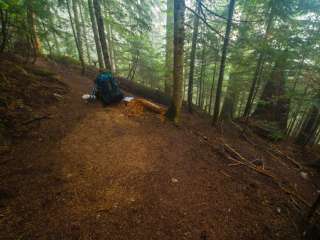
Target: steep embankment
{"points": [[25, 91], [89, 172]]}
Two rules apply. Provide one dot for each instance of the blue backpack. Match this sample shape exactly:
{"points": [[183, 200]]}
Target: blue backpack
{"points": [[107, 88]]}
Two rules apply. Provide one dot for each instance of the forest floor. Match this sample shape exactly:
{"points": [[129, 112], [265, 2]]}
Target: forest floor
{"points": [[88, 172]]}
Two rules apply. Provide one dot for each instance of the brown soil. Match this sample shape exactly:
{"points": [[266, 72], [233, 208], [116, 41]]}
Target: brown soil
{"points": [[90, 172]]}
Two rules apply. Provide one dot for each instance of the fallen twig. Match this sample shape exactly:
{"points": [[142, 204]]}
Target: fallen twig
{"points": [[230, 153], [270, 175], [268, 151], [293, 161], [236, 154], [224, 173]]}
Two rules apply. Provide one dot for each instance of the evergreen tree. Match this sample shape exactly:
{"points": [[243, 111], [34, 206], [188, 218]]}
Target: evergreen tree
{"points": [[174, 110], [223, 62]]}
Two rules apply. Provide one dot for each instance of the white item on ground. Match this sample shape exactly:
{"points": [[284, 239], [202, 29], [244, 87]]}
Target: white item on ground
{"points": [[128, 99], [57, 95], [304, 175], [88, 97], [174, 180]]}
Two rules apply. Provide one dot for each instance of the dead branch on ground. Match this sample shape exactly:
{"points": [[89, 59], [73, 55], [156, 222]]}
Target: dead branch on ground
{"points": [[269, 149], [230, 153]]}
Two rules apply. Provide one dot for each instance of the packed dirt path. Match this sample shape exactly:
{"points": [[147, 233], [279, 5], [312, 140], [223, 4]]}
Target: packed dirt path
{"points": [[90, 172]]}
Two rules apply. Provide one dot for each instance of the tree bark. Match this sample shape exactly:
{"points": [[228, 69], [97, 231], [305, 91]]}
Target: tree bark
{"points": [[111, 50], [32, 25], [174, 110], [234, 89], [273, 105], [295, 115], [46, 30], [95, 34], [83, 30], [193, 55], [223, 62], [202, 77], [75, 7], [310, 124], [109, 37], [53, 30], [299, 124], [240, 105], [4, 28], [102, 35], [212, 87], [260, 63], [229, 103], [248, 107], [75, 37], [106, 4], [169, 48]]}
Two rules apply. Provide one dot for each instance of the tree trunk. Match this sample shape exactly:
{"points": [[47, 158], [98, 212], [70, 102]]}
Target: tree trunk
{"points": [[212, 87], [102, 35], [34, 36], [299, 124], [259, 66], [234, 88], [315, 138], [292, 123], [46, 30], [193, 55], [295, 115], [75, 6], [169, 48], [4, 28], [109, 38], [273, 105], [174, 110], [95, 34], [106, 4], [134, 64], [223, 62], [240, 105], [75, 37], [202, 78], [310, 124], [229, 103], [185, 80], [248, 107], [54, 35], [111, 50], [83, 28]]}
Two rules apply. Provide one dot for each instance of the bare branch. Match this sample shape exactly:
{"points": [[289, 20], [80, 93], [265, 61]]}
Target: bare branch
{"points": [[224, 18], [205, 22]]}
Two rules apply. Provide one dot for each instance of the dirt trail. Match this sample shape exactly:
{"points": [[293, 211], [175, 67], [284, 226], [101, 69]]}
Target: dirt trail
{"points": [[96, 173]]}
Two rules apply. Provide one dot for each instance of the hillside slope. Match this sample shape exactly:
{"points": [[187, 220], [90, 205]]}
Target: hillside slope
{"points": [[90, 172]]}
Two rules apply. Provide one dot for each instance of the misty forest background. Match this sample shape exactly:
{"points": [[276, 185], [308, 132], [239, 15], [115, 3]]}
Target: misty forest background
{"points": [[270, 76]]}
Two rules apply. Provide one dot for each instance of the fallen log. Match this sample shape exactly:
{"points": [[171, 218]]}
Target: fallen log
{"points": [[141, 90], [151, 106]]}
